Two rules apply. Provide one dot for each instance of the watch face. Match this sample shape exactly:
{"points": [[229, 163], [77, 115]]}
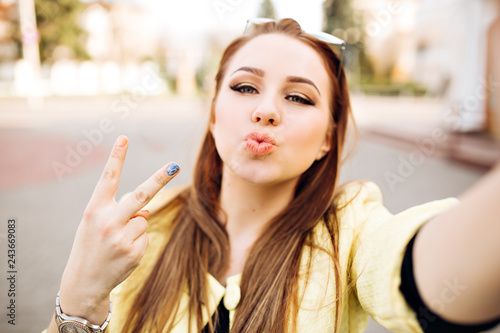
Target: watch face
{"points": [[73, 327]]}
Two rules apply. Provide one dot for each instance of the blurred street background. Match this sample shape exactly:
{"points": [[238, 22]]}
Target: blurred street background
{"points": [[74, 75]]}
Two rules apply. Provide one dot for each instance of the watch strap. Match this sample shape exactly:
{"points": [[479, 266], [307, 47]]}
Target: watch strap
{"points": [[63, 319]]}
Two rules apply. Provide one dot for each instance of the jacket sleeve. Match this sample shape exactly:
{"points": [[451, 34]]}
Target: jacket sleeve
{"points": [[377, 252]]}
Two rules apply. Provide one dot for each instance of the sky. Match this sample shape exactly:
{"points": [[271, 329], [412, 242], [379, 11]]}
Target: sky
{"points": [[185, 20]]}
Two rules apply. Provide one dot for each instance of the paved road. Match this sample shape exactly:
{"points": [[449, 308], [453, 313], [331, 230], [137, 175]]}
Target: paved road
{"points": [[51, 159]]}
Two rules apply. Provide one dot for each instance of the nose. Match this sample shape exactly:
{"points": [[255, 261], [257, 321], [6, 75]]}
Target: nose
{"points": [[267, 112]]}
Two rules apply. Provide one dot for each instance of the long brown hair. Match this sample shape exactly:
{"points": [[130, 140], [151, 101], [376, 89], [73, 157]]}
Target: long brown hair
{"points": [[199, 243]]}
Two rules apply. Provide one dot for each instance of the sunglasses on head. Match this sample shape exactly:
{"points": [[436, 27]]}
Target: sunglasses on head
{"points": [[337, 44]]}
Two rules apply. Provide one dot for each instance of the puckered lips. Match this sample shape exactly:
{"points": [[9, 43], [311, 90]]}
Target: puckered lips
{"points": [[260, 143]]}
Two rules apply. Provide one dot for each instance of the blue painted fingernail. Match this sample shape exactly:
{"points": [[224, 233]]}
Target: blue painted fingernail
{"points": [[172, 169]]}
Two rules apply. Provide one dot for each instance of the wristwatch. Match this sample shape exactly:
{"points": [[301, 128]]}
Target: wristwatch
{"points": [[69, 324]]}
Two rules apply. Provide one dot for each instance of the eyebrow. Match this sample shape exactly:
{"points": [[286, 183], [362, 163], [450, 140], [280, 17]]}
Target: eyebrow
{"points": [[293, 79], [253, 70], [299, 79]]}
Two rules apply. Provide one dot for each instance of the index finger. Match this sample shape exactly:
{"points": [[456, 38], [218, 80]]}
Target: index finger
{"points": [[146, 191]]}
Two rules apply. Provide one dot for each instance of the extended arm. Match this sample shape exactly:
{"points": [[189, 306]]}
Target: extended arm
{"points": [[457, 256]]}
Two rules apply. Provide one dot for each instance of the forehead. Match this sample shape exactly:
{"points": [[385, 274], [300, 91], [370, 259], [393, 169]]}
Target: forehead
{"points": [[280, 56]]}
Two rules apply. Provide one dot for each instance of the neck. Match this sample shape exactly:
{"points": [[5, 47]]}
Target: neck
{"points": [[249, 207]]}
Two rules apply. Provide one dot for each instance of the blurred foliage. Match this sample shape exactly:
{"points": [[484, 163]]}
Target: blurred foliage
{"points": [[389, 88], [339, 20], [338, 14], [10, 21], [267, 9], [343, 21], [58, 24]]}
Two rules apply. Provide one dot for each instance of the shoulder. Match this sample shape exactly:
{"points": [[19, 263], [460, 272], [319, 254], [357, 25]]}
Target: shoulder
{"points": [[358, 201], [363, 200], [360, 190], [360, 204]]}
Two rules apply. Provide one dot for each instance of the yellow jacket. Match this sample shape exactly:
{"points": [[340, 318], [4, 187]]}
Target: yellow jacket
{"points": [[372, 244]]}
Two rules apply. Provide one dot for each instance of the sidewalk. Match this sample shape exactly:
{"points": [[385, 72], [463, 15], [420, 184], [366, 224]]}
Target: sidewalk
{"points": [[78, 131], [418, 125]]}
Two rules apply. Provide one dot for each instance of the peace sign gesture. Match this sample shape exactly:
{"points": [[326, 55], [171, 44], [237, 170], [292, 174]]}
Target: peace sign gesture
{"points": [[110, 240]]}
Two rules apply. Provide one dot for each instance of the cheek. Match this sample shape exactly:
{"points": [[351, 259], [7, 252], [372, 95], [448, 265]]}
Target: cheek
{"points": [[225, 126], [224, 121], [229, 111], [309, 134]]}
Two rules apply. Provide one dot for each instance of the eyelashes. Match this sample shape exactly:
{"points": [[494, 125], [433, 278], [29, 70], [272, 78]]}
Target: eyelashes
{"points": [[248, 89], [244, 89], [299, 99]]}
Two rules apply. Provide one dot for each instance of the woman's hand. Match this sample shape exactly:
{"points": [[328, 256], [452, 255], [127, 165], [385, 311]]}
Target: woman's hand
{"points": [[110, 240]]}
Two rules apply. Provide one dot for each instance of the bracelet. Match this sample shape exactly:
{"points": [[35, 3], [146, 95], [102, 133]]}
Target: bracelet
{"points": [[67, 323]]}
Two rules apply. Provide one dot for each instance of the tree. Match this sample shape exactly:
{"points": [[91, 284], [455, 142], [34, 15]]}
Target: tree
{"points": [[10, 46], [58, 24], [267, 9], [338, 19], [337, 14]]}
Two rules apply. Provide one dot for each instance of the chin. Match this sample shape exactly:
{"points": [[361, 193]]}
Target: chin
{"points": [[258, 177], [255, 173], [260, 180]]}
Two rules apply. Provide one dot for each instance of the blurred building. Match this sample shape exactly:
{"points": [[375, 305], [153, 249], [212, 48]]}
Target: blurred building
{"points": [[493, 77], [9, 14], [122, 38], [123, 45], [439, 44], [389, 36], [453, 45], [120, 32]]}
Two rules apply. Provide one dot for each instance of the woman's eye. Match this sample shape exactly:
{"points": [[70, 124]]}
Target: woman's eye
{"points": [[244, 89], [298, 99]]}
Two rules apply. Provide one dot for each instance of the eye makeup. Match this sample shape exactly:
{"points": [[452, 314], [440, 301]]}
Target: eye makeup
{"points": [[296, 89], [300, 99], [244, 88]]}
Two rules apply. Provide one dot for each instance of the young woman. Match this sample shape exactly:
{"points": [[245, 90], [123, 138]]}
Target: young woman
{"points": [[264, 240]]}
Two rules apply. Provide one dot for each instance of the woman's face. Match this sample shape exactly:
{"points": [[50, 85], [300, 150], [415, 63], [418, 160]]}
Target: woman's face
{"points": [[272, 111]]}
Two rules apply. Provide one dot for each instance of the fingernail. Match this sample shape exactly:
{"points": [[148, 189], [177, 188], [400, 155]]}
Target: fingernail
{"points": [[122, 141], [172, 169]]}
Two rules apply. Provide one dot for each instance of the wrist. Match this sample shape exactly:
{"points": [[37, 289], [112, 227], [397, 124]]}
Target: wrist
{"points": [[90, 322], [93, 309], [76, 294]]}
